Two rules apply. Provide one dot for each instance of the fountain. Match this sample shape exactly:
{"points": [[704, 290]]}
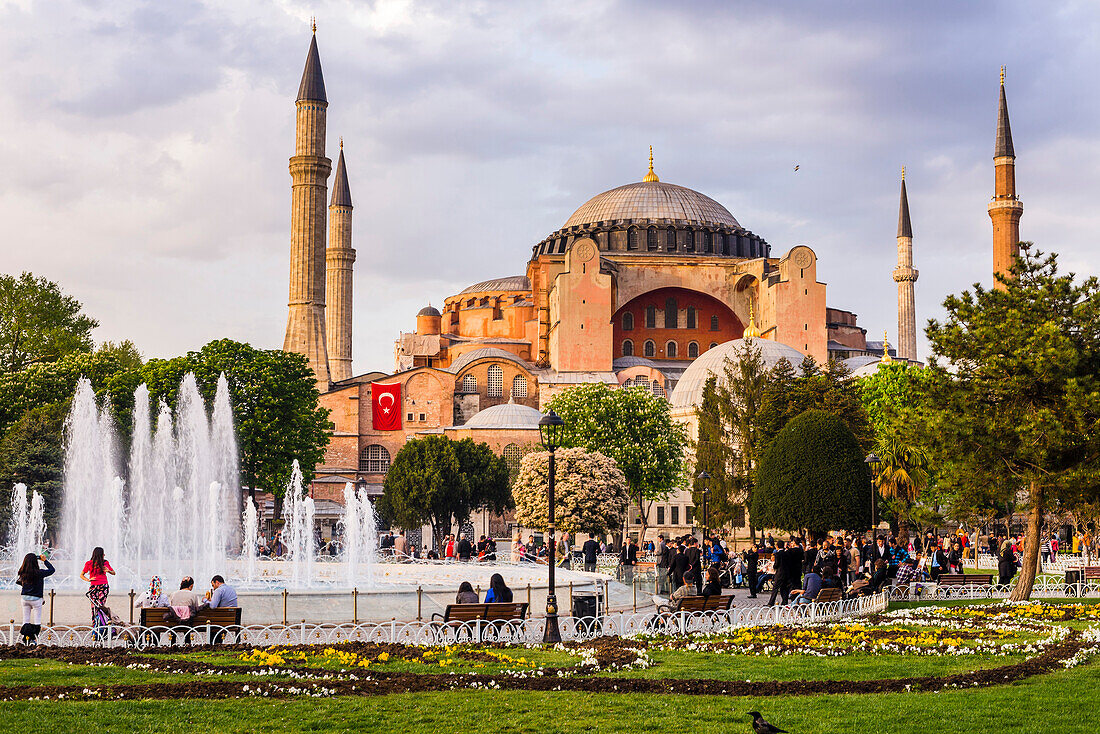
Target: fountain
{"points": [[360, 532], [298, 536], [27, 524]]}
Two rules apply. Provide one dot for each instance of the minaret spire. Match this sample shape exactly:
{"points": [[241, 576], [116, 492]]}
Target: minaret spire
{"points": [[339, 261], [1006, 208], [905, 275], [309, 172]]}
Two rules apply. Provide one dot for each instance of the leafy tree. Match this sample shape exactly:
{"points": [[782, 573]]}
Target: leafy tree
{"points": [[590, 491], [440, 482], [275, 406], [714, 456], [632, 426], [813, 476], [1014, 398], [832, 390], [740, 398], [39, 323], [30, 453]]}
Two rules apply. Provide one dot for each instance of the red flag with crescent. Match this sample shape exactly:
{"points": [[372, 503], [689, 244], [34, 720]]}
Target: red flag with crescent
{"points": [[385, 402]]}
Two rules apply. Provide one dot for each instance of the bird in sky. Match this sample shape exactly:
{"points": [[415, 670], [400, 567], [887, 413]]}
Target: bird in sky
{"points": [[762, 727], [796, 168]]}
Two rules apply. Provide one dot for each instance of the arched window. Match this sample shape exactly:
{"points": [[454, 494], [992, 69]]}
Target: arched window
{"points": [[714, 323], [628, 321], [691, 317], [651, 317], [670, 350], [725, 240], [651, 239], [670, 240], [658, 389], [628, 348], [512, 456], [469, 383], [650, 348], [519, 386], [693, 350], [708, 242], [632, 238], [641, 382], [671, 313], [689, 241], [713, 345], [374, 459], [495, 381]]}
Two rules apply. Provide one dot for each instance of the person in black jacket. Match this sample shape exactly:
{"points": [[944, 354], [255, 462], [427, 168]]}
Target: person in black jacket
{"points": [[795, 558], [465, 549], [591, 549], [713, 586], [628, 559], [752, 564], [31, 582], [694, 559], [781, 583], [664, 557], [679, 566]]}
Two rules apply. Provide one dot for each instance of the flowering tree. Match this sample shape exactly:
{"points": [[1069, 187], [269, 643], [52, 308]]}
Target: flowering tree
{"points": [[590, 491]]}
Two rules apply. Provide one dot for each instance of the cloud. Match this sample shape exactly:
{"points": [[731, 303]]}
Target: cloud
{"points": [[147, 143]]}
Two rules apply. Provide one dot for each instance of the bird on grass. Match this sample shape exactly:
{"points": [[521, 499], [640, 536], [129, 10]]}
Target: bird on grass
{"points": [[762, 727]]}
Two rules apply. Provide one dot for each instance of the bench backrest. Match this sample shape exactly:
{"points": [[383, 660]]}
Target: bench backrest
{"points": [[966, 579], [492, 612], [827, 595], [220, 617], [713, 603]]}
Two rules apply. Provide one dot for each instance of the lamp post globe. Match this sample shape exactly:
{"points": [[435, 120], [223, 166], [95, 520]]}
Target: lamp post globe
{"points": [[552, 431]]}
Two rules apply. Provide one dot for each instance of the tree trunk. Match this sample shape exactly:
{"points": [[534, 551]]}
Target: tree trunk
{"points": [[1032, 543], [903, 532]]}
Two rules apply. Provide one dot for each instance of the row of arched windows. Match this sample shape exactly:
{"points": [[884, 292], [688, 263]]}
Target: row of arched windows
{"points": [[672, 350], [710, 244], [691, 317], [495, 387]]}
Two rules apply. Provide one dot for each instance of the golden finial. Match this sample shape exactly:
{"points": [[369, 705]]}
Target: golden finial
{"points": [[650, 177], [886, 358], [313, 22], [752, 331], [1002, 75], [902, 171], [342, 147]]}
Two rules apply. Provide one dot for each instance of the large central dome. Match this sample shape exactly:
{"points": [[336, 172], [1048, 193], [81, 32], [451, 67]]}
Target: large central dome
{"points": [[652, 200]]}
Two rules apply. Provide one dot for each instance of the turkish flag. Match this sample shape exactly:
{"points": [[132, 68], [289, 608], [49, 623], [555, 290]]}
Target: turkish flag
{"points": [[385, 403]]}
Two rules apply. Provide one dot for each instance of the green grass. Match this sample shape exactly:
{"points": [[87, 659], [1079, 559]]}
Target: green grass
{"points": [[1063, 702], [56, 673]]}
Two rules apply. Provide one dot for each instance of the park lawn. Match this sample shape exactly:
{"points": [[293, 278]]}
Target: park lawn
{"points": [[851, 666], [1063, 702]]}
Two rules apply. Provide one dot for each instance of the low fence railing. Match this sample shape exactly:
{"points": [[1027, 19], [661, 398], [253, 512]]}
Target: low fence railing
{"points": [[930, 590], [615, 624]]}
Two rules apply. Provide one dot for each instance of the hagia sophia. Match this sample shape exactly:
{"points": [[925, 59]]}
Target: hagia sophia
{"points": [[648, 284]]}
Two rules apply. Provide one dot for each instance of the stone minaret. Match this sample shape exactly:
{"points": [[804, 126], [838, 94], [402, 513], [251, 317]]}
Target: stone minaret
{"points": [[1006, 208], [309, 171], [340, 258], [905, 276]]}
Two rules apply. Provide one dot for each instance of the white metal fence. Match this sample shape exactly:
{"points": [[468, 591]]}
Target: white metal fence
{"points": [[618, 624]]}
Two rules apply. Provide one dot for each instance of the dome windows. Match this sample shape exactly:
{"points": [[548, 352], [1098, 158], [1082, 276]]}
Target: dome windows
{"points": [[632, 238], [651, 239], [670, 239]]}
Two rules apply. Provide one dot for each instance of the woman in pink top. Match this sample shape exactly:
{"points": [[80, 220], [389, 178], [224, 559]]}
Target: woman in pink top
{"points": [[95, 573]]}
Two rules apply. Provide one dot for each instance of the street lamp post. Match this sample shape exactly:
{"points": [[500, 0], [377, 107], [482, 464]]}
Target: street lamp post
{"points": [[873, 461], [704, 476], [551, 428]]}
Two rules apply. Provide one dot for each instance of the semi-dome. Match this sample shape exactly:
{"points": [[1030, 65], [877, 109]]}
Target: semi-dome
{"points": [[511, 283], [689, 390], [653, 200], [509, 415], [484, 353]]}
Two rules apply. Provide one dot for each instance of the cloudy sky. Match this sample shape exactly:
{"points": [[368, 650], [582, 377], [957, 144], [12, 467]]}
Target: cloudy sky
{"points": [[145, 144]]}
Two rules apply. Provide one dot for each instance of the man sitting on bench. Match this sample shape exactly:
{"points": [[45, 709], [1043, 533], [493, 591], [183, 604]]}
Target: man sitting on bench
{"points": [[220, 594], [687, 589]]}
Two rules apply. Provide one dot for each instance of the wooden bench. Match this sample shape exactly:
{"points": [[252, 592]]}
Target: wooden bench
{"points": [[965, 579], [827, 595], [713, 603], [456, 614], [219, 617]]}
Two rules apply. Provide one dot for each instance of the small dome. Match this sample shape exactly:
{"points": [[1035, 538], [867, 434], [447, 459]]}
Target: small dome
{"points": [[869, 368], [428, 311], [508, 415], [625, 363], [511, 283], [689, 390], [854, 363], [653, 200]]}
